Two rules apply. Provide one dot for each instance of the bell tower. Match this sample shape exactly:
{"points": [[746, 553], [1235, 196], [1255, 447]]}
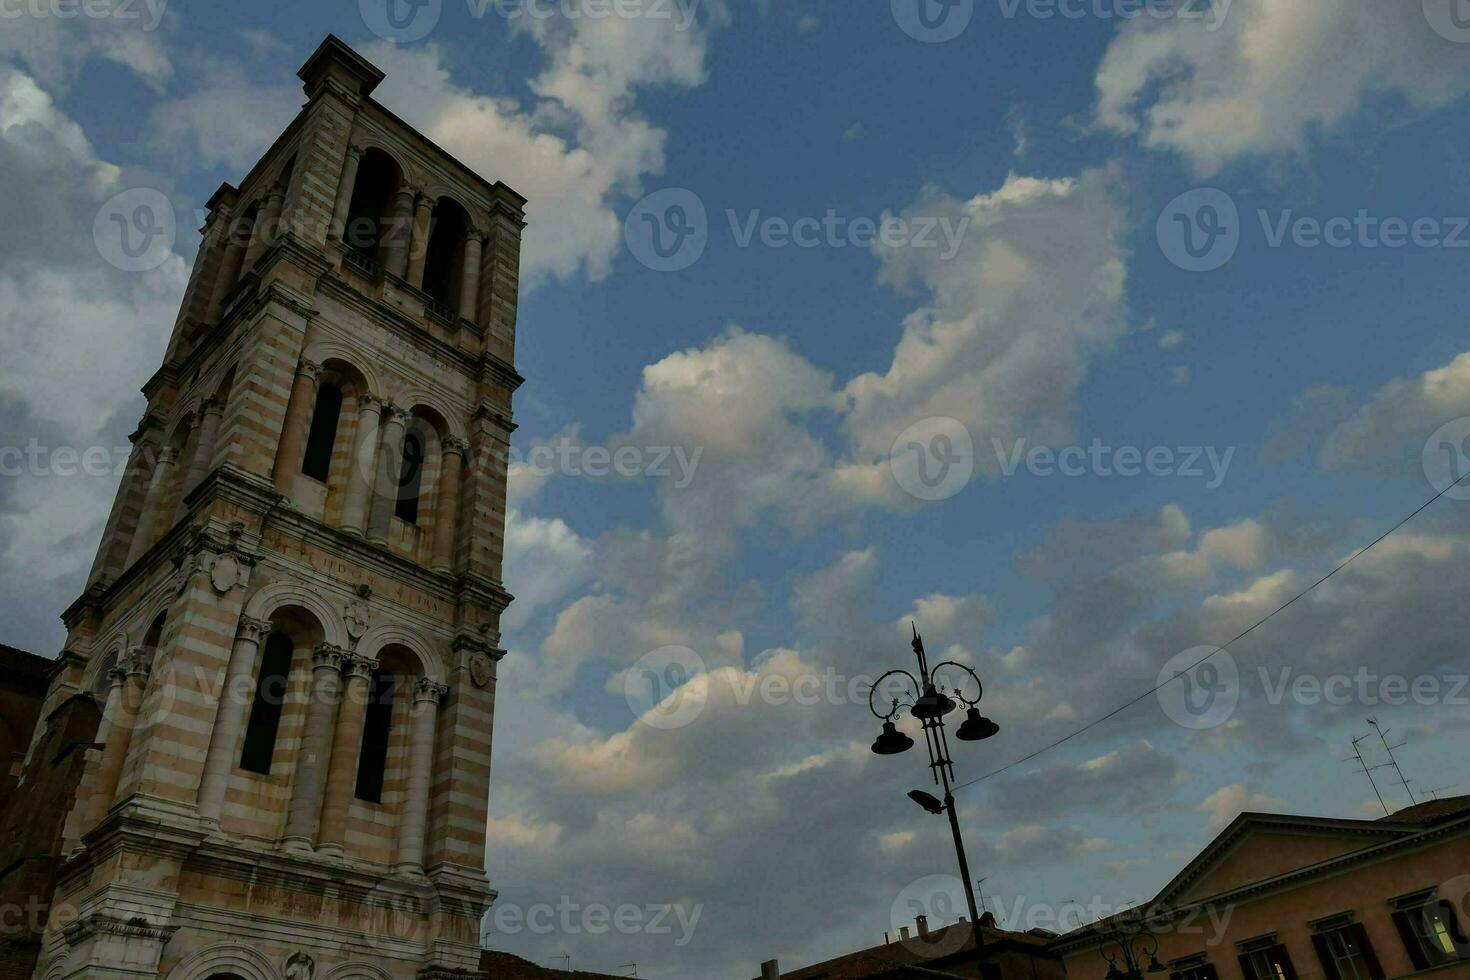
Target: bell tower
{"points": [[292, 622]]}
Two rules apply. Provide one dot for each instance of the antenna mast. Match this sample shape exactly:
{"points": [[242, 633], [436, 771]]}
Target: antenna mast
{"points": [[1358, 755], [1383, 734]]}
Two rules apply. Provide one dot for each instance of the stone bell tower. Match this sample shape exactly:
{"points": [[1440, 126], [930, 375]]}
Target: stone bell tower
{"points": [[293, 618]]}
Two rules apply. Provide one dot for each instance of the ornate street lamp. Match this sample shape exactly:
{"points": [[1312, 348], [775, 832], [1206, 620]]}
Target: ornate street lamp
{"points": [[928, 704], [1130, 948]]}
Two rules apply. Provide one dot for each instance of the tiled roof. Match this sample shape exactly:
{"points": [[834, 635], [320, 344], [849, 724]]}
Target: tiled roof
{"points": [[1431, 811], [507, 966], [880, 961]]}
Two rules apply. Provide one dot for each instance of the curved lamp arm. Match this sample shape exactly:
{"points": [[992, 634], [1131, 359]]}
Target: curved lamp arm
{"points": [[874, 690], [979, 687]]}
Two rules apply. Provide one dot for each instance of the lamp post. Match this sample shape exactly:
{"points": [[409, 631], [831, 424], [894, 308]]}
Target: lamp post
{"points": [[929, 704], [1130, 948]]}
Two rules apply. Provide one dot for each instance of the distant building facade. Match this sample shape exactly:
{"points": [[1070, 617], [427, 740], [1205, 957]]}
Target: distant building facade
{"points": [[288, 641], [1279, 897]]}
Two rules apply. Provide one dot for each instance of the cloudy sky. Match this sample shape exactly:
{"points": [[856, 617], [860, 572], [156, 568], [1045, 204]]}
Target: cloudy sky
{"points": [[1167, 322]]}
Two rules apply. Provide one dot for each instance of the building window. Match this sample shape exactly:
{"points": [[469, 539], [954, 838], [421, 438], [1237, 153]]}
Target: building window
{"points": [[1431, 933], [1193, 968], [411, 476], [373, 759], [1345, 951], [1269, 962], [265, 712], [317, 462]]}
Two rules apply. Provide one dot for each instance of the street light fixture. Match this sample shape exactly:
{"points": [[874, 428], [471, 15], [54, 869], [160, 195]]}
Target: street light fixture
{"points": [[1130, 948], [928, 704]]}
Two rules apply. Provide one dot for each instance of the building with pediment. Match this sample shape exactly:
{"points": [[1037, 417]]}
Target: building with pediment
{"points": [[1282, 897]]}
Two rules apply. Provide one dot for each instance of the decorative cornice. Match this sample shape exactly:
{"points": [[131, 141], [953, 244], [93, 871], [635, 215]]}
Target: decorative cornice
{"points": [[496, 369], [100, 924]]}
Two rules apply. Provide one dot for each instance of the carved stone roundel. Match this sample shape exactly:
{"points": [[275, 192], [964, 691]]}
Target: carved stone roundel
{"points": [[225, 574]]}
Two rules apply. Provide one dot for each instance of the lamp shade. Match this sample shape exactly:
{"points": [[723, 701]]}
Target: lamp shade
{"points": [[891, 741], [932, 705], [976, 727]]}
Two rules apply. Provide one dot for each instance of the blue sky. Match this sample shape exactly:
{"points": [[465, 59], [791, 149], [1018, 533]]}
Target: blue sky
{"points": [[1055, 143]]}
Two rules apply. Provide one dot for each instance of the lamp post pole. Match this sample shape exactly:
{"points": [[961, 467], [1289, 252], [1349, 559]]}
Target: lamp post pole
{"points": [[928, 705]]}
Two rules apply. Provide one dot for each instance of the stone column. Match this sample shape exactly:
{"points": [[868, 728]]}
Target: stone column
{"points": [[426, 698], [400, 216], [345, 186], [364, 457], [293, 430], [316, 747], [265, 231], [446, 508], [210, 413], [130, 681], [346, 747], [390, 464], [469, 276], [418, 248], [158, 485], [229, 272], [236, 696]]}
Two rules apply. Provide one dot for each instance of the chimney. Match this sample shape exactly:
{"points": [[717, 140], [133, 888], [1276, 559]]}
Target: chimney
{"points": [[903, 934], [923, 922], [771, 970]]}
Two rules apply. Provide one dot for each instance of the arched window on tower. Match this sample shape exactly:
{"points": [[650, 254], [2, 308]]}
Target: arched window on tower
{"points": [[411, 475], [372, 761], [265, 712], [446, 252], [317, 462], [372, 196]]}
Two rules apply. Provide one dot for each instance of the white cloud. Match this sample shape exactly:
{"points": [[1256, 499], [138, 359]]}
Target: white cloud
{"points": [[1273, 71], [1401, 415], [1228, 802]]}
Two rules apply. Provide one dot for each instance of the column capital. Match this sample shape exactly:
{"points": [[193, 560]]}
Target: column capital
{"points": [[454, 444], [327, 656], [476, 233], [169, 455], [253, 629], [213, 405], [308, 369], [137, 662], [354, 151], [397, 413], [355, 666], [368, 402], [427, 690]]}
